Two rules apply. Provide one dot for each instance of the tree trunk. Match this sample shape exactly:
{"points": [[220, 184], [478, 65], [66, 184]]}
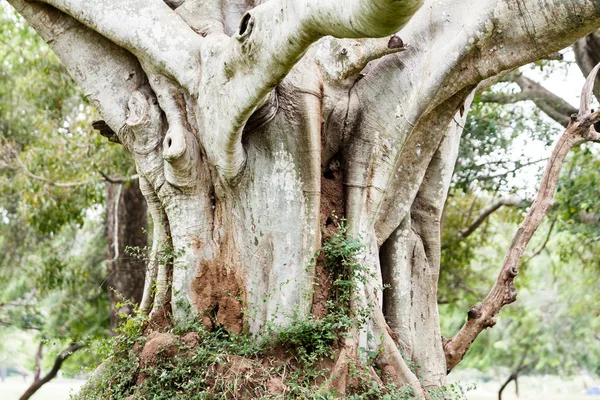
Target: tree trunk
{"points": [[250, 124], [126, 226]]}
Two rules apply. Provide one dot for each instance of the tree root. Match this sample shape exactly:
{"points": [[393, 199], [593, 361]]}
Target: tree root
{"points": [[390, 361], [390, 357], [338, 379]]}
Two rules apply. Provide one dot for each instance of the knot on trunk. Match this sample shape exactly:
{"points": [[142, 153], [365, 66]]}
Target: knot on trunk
{"points": [[395, 43], [474, 313]]}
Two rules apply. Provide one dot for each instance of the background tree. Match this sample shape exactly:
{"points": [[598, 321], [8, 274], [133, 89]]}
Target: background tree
{"points": [[55, 277]]}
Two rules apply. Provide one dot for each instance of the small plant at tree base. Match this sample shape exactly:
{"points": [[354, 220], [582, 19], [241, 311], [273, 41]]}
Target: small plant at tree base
{"points": [[189, 362]]}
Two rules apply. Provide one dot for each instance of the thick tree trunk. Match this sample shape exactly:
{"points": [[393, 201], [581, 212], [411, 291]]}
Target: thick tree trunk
{"points": [[248, 135], [126, 226]]}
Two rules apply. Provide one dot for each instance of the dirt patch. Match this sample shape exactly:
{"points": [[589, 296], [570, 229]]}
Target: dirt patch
{"points": [[332, 207], [160, 320], [275, 386], [322, 289], [332, 196], [190, 340], [217, 295], [158, 347]]}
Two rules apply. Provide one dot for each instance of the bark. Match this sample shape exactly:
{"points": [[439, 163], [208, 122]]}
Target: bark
{"points": [[39, 382], [126, 226], [250, 124]]}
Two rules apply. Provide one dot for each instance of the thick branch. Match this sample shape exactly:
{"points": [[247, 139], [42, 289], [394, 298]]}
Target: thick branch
{"points": [[147, 28], [504, 292], [270, 39], [38, 383], [106, 72]]}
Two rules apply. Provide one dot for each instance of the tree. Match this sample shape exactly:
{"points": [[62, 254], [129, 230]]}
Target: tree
{"points": [[54, 168], [54, 273], [250, 124]]}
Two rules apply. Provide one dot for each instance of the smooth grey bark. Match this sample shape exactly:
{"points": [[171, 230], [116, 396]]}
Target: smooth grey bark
{"points": [[249, 125]]}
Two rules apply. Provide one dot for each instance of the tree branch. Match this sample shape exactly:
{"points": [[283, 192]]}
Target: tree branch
{"points": [[552, 105], [107, 73], [38, 383], [20, 167], [147, 28], [587, 55], [38, 362], [483, 316], [512, 200], [269, 41]]}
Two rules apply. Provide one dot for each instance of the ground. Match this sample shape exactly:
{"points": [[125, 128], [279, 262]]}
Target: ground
{"points": [[58, 389], [532, 388]]}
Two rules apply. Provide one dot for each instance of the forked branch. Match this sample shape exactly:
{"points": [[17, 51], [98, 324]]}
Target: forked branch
{"points": [[483, 316], [270, 40]]}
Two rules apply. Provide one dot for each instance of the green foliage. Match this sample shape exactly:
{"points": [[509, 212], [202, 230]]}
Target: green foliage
{"points": [[46, 136], [52, 243], [553, 317], [490, 131]]}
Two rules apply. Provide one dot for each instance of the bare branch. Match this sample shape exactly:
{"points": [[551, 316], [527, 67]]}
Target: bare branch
{"points": [[38, 383], [483, 316], [20, 166], [512, 200], [552, 105]]}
